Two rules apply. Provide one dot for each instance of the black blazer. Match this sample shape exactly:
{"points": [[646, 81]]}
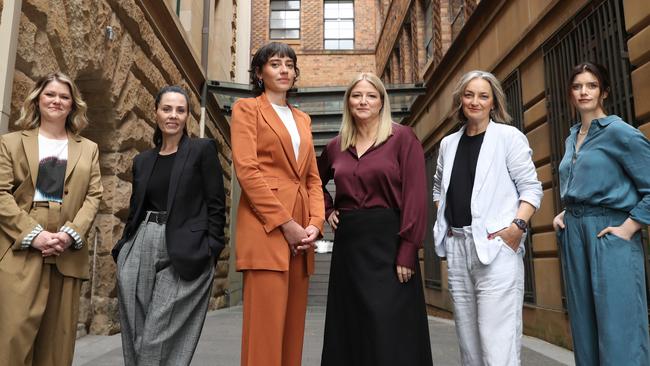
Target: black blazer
{"points": [[195, 205]]}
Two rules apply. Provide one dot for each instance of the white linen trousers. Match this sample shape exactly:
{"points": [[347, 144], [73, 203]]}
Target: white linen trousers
{"points": [[488, 301]]}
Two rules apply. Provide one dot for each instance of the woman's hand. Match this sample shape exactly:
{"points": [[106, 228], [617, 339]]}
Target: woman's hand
{"points": [[333, 220], [50, 243], [510, 235], [293, 234], [310, 241], [404, 274], [625, 231], [558, 221]]}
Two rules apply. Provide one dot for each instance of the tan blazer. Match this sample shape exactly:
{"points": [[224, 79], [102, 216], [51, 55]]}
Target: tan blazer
{"points": [[273, 184], [82, 193]]}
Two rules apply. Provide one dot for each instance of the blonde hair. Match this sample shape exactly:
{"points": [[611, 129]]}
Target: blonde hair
{"points": [[498, 114], [30, 116], [349, 130]]}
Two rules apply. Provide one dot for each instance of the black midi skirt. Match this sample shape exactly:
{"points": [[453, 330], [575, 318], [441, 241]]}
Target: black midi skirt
{"points": [[372, 319]]}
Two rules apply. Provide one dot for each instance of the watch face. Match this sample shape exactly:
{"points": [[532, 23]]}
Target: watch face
{"points": [[520, 224]]}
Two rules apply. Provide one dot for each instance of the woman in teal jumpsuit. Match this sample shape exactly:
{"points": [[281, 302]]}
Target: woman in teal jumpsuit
{"points": [[605, 188]]}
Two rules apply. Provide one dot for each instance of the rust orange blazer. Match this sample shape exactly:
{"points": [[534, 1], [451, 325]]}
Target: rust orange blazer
{"points": [[275, 187]]}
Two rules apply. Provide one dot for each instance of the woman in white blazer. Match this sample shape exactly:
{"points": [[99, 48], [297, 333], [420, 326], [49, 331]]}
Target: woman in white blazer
{"points": [[486, 190]]}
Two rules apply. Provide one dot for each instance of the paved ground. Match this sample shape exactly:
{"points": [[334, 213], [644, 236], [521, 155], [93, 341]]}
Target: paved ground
{"points": [[220, 344]]}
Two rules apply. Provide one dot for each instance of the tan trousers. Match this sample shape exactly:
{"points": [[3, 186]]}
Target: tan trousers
{"points": [[275, 304], [40, 306]]}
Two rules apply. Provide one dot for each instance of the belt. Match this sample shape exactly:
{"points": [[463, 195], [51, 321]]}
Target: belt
{"points": [[579, 209], [159, 217], [40, 204]]}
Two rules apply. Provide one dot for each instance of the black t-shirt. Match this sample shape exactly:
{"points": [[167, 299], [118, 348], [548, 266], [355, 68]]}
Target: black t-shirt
{"points": [[459, 195], [158, 186]]}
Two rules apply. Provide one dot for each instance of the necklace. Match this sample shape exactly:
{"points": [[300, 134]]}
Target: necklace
{"points": [[582, 133]]}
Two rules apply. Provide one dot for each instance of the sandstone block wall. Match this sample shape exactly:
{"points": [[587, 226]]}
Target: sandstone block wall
{"points": [[119, 78]]}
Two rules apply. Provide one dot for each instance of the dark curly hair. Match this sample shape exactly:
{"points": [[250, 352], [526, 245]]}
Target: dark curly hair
{"points": [[263, 55]]}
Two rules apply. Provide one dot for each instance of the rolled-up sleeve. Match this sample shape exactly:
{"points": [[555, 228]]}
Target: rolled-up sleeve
{"points": [[636, 161], [522, 170]]}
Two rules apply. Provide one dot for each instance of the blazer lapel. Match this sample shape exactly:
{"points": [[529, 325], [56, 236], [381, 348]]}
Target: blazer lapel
{"points": [[272, 119], [450, 156], [74, 152], [30, 145], [485, 157], [177, 169]]}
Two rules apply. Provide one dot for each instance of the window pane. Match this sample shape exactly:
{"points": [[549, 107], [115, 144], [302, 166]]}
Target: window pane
{"points": [[278, 23], [294, 5], [331, 11], [346, 44], [346, 29], [346, 10], [331, 44], [278, 15], [292, 23], [331, 30], [278, 5], [292, 15], [285, 34]]}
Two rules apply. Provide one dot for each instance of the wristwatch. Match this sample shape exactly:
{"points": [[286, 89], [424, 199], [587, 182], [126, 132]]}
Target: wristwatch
{"points": [[521, 224]]}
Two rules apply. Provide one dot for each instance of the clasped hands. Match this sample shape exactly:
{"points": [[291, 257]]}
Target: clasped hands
{"points": [[299, 238], [51, 243]]}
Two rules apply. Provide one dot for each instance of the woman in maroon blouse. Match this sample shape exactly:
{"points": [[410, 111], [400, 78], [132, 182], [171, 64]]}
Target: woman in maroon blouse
{"points": [[375, 307]]}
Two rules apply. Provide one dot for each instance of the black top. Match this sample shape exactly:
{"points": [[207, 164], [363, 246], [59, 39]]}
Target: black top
{"points": [[158, 187], [459, 196]]}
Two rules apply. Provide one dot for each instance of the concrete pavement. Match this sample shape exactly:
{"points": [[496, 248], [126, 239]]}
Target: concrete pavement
{"points": [[220, 344]]}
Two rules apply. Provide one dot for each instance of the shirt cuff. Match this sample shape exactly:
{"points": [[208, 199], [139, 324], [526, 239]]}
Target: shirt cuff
{"points": [[27, 241], [78, 243], [407, 254]]}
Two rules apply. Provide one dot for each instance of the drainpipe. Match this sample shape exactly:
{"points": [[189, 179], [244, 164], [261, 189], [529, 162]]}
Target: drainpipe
{"points": [[8, 46], [205, 42]]}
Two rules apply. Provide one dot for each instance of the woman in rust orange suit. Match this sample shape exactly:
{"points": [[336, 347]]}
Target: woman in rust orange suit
{"points": [[281, 211]]}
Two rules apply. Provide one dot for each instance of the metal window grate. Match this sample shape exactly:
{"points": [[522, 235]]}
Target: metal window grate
{"points": [[512, 89], [596, 34], [432, 263]]}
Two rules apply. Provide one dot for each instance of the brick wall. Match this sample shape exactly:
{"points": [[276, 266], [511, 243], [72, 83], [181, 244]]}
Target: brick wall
{"points": [[320, 67]]}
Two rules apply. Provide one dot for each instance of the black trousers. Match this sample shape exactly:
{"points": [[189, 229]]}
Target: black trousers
{"points": [[372, 319]]}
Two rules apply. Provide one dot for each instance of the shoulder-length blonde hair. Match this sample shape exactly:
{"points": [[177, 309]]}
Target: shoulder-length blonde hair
{"points": [[498, 114], [30, 115], [349, 130]]}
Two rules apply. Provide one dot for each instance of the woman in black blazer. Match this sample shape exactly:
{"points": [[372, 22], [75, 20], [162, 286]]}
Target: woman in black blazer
{"points": [[173, 235]]}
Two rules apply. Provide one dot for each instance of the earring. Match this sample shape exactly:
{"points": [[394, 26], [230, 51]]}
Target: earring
{"points": [[260, 83]]}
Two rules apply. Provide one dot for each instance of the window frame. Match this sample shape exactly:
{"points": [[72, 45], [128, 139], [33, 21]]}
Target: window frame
{"points": [[339, 20], [286, 9]]}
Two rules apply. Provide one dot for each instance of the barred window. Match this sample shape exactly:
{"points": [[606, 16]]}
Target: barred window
{"points": [[285, 19], [339, 24], [428, 29]]}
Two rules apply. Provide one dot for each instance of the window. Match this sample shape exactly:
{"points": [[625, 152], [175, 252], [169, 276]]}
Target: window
{"points": [[428, 29], [339, 25], [456, 16], [285, 19]]}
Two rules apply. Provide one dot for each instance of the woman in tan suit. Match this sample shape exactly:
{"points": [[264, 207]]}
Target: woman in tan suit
{"points": [[50, 191], [281, 211]]}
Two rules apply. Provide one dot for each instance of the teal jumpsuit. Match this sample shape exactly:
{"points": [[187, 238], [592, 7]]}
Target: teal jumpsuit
{"points": [[604, 183]]}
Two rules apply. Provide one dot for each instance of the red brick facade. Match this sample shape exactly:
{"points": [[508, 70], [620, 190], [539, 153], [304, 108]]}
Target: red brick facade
{"points": [[321, 67]]}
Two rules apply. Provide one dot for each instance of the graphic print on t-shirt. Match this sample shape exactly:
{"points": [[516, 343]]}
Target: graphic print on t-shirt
{"points": [[49, 183], [53, 160]]}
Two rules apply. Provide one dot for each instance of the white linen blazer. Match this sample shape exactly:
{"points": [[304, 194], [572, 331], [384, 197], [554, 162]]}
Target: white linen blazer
{"points": [[505, 175]]}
